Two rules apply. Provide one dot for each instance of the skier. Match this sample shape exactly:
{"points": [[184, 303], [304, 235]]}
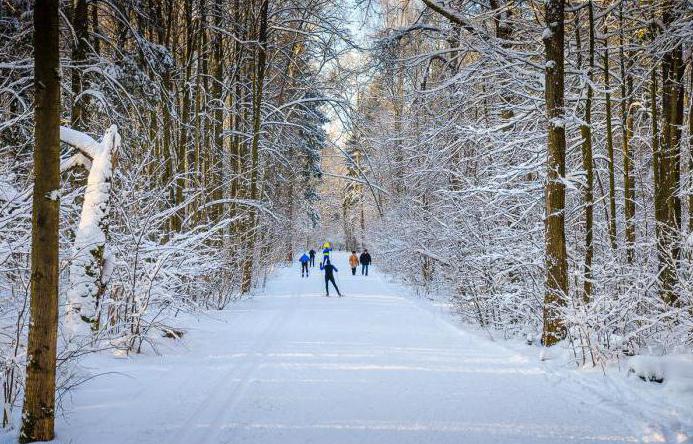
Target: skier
{"points": [[329, 277], [353, 263], [304, 264], [326, 254], [312, 257], [365, 260]]}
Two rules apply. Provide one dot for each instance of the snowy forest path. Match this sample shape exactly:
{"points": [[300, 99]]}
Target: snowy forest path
{"points": [[375, 366]]}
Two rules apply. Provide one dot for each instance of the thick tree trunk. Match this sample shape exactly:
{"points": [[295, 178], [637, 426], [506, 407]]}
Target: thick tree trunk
{"points": [[39, 394], [554, 227]]}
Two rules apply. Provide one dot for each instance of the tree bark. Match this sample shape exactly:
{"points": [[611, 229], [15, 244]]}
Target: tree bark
{"points": [[554, 227], [39, 399]]}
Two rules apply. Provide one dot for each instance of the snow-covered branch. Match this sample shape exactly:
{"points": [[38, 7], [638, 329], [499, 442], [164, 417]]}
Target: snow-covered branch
{"points": [[83, 142], [90, 269]]}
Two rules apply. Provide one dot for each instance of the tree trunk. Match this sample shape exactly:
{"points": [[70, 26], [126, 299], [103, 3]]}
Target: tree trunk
{"points": [[587, 158], [255, 145], [184, 159], [166, 121], [504, 32], [201, 177], [95, 27], [39, 395], [690, 152], [166, 145], [235, 99], [655, 146], [216, 164], [627, 135], [554, 228], [609, 140], [290, 214], [80, 22], [669, 220]]}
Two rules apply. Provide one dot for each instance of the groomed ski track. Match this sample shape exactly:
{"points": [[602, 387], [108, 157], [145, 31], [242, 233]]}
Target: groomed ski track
{"points": [[376, 366]]}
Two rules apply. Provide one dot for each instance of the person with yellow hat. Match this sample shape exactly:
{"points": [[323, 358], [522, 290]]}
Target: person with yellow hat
{"points": [[325, 254]]}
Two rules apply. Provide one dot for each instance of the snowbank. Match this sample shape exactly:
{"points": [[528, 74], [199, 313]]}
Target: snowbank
{"points": [[675, 372]]}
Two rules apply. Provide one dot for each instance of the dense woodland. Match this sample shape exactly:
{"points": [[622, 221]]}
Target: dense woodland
{"points": [[211, 172], [532, 161]]}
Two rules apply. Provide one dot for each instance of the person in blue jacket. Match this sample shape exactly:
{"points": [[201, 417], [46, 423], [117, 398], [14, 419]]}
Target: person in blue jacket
{"points": [[326, 254], [329, 277], [304, 264]]}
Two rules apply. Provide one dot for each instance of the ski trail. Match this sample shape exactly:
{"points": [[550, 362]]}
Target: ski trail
{"points": [[224, 391], [293, 366]]}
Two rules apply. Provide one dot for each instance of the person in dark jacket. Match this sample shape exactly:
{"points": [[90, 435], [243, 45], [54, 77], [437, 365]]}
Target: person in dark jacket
{"points": [[311, 253], [329, 277], [365, 260]]}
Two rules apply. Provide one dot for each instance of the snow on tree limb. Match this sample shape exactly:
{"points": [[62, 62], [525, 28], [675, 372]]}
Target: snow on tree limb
{"points": [[83, 142], [90, 269]]}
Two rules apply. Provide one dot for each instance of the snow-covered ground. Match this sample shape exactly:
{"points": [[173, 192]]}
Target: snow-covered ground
{"points": [[376, 366]]}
